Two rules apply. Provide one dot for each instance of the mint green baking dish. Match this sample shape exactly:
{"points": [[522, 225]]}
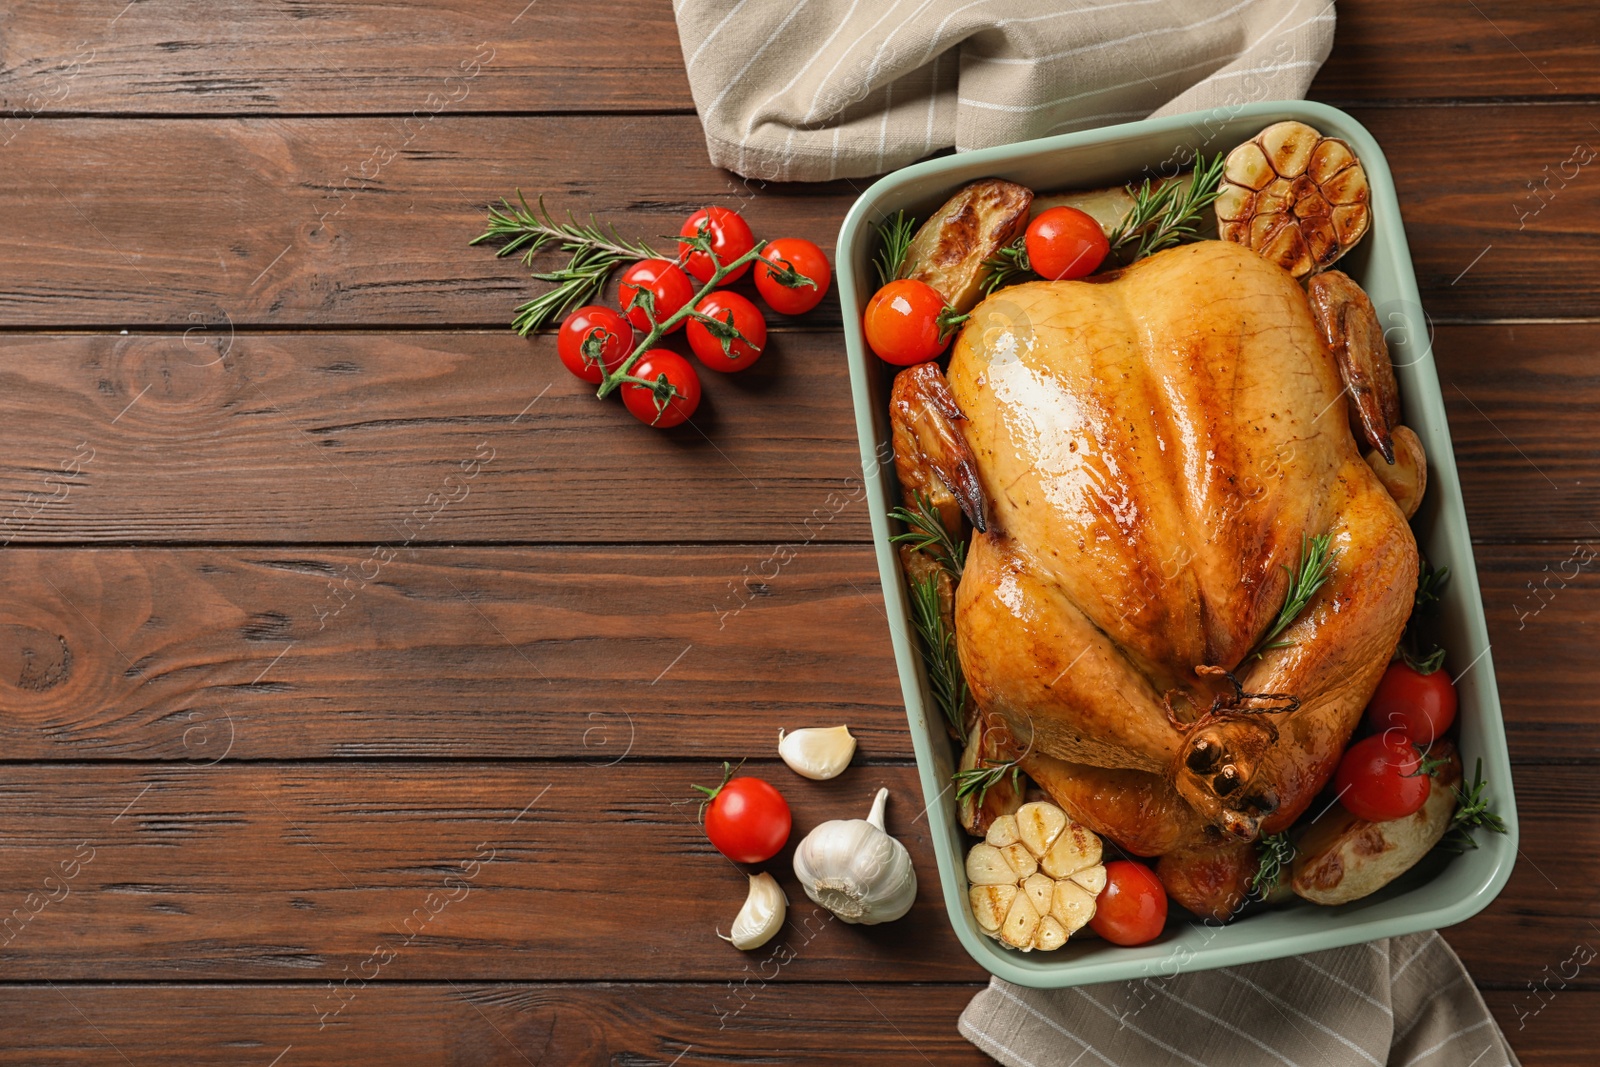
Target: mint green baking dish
{"points": [[1438, 892]]}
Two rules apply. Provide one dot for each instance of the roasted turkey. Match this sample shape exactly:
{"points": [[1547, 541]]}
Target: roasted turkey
{"points": [[1142, 458]]}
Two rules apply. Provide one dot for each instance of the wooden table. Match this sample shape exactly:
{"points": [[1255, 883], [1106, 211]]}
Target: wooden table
{"points": [[355, 662]]}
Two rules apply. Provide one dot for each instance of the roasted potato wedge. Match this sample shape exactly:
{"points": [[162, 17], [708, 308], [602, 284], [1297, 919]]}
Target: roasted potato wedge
{"points": [[1407, 477], [1340, 858], [989, 742], [949, 250]]}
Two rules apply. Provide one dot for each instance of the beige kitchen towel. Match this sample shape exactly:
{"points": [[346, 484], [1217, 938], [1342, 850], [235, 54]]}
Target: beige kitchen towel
{"points": [[1403, 1002], [811, 90]]}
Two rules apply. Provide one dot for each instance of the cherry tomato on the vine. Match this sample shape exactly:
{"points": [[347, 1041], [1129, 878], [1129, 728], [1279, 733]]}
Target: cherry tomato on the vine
{"points": [[647, 404], [902, 322], [1421, 706], [1381, 778], [747, 819], [742, 350], [803, 258], [611, 335], [668, 286], [1064, 242], [1132, 908], [730, 238]]}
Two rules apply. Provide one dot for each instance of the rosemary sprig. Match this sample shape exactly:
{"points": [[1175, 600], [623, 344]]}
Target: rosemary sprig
{"points": [[595, 252], [894, 238], [1472, 811], [949, 685], [1316, 561], [1276, 853], [925, 531], [1425, 606], [1163, 215], [977, 781], [1007, 266]]}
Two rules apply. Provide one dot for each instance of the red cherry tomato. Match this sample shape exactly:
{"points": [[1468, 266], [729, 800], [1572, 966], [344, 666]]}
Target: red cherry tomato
{"points": [[1421, 706], [804, 258], [611, 333], [1132, 908], [1380, 778], [743, 350], [642, 401], [902, 322], [747, 819], [1064, 242], [667, 285], [730, 238]]}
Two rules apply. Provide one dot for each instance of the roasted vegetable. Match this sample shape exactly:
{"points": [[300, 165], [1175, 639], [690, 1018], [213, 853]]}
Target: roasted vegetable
{"points": [[1407, 477], [1035, 878], [1343, 858], [949, 250], [1297, 197]]}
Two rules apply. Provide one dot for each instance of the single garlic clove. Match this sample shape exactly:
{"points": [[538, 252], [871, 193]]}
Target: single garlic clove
{"points": [[1051, 936], [990, 904], [1003, 832], [764, 909], [1073, 906], [1076, 848], [1021, 860], [1022, 921], [1038, 824], [1093, 879], [1041, 890], [818, 753], [987, 865]]}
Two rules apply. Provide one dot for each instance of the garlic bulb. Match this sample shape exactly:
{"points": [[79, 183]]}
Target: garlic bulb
{"points": [[762, 914], [856, 870], [1036, 878], [817, 753]]}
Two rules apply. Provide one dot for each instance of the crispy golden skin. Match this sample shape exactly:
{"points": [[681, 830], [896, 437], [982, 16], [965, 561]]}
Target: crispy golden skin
{"points": [[1154, 447]]}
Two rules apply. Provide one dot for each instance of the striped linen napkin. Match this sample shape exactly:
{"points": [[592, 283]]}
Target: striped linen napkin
{"points": [[811, 90], [1403, 1002]]}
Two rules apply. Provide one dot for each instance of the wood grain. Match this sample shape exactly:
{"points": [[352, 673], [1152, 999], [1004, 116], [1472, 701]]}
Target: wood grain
{"points": [[295, 872], [364, 221], [325, 58], [786, 1023], [409, 439], [561, 652], [218, 436], [552, 653], [466, 871]]}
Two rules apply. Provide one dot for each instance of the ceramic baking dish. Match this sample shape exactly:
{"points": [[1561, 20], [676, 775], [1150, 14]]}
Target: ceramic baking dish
{"points": [[1440, 890]]}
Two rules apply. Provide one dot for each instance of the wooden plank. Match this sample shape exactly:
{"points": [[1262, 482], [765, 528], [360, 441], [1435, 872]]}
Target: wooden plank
{"points": [[773, 1020], [554, 653], [529, 871], [323, 58], [408, 440], [281, 228], [1432, 50], [1520, 398], [582, 873], [560, 653], [343, 438], [781, 1021], [231, 58]]}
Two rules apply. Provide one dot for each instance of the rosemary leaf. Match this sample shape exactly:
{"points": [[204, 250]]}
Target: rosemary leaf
{"points": [[1163, 215], [1007, 266], [939, 651], [925, 531], [594, 252], [1472, 811], [977, 781], [1316, 562], [894, 238], [1276, 854]]}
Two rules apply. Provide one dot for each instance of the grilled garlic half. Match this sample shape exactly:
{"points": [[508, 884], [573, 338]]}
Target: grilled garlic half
{"points": [[763, 913], [1035, 878], [856, 870], [817, 753]]}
